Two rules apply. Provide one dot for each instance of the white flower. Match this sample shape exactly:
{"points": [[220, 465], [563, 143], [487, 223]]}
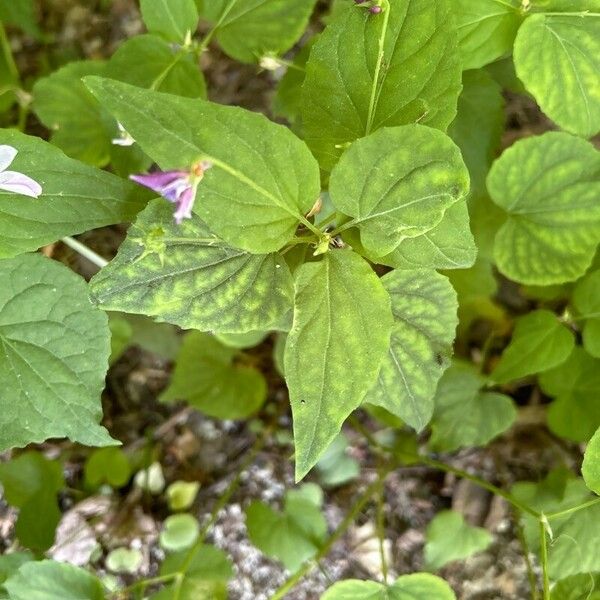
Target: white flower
{"points": [[269, 63], [11, 181]]}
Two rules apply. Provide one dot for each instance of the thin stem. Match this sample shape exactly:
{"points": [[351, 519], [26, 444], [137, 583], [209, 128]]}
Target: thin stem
{"points": [[85, 251], [335, 536], [381, 530], [5, 47], [533, 584], [208, 37], [343, 228], [481, 483], [144, 583], [569, 511], [544, 559], [378, 64], [582, 14]]}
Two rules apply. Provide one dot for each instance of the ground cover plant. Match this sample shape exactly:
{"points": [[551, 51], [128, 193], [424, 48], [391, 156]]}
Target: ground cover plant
{"points": [[376, 259]]}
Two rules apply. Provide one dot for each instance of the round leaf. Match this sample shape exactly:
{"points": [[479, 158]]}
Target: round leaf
{"points": [[557, 57], [549, 187], [179, 532]]}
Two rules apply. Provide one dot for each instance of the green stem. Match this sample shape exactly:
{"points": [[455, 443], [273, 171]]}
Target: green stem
{"points": [[127, 592], [569, 511], [533, 585], [381, 530], [582, 14], [308, 566], [378, 65], [85, 251], [481, 483], [5, 47], [208, 37], [544, 559]]}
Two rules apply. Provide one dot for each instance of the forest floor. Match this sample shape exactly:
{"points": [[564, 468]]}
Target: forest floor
{"points": [[192, 447]]}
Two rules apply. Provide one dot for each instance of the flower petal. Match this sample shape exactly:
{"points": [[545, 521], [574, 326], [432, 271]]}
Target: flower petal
{"points": [[185, 204], [17, 183], [7, 155], [160, 180]]}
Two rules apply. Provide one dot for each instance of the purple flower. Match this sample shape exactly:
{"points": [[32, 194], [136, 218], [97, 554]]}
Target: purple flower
{"points": [[11, 181], [178, 187]]}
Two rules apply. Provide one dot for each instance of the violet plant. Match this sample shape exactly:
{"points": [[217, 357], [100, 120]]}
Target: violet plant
{"points": [[365, 237]]}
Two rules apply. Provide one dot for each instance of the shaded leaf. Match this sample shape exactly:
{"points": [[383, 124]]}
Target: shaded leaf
{"points": [[208, 377], [183, 274], [586, 300], [591, 464]]}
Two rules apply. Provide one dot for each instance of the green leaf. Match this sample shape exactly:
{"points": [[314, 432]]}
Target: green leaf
{"points": [[10, 563], [464, 416], [20, 13], [149, 62], [397, 183], [557, 57], [292, 536], [120, 336], [75, 198], [424, 306], [183, 274], [477, 130], [124, 560], [449, 245], [450, 538], [575, 385], [548, 185], [208, 376], [179, 532], [591, 464], [55, 348], [578, 587], [107, 465], [263, 177], [339, 338], [173, 19], [49, 580], [242, 341], [181, 494], [586, 300], [352, 89], [486, 29], [540, 342], [335, 467], [80, 128], [575, 535], [31, 483], [250, 29], [418, 586], [205, 571]]}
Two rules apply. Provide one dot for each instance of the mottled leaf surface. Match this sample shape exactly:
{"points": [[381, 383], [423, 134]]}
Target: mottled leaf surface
{"points": [[340, 334], [397, 183], [557, 57], [424, 306], [185, 275], [263, 177], [54, 347], [75, 198], [352, 89], [549, 187]]}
